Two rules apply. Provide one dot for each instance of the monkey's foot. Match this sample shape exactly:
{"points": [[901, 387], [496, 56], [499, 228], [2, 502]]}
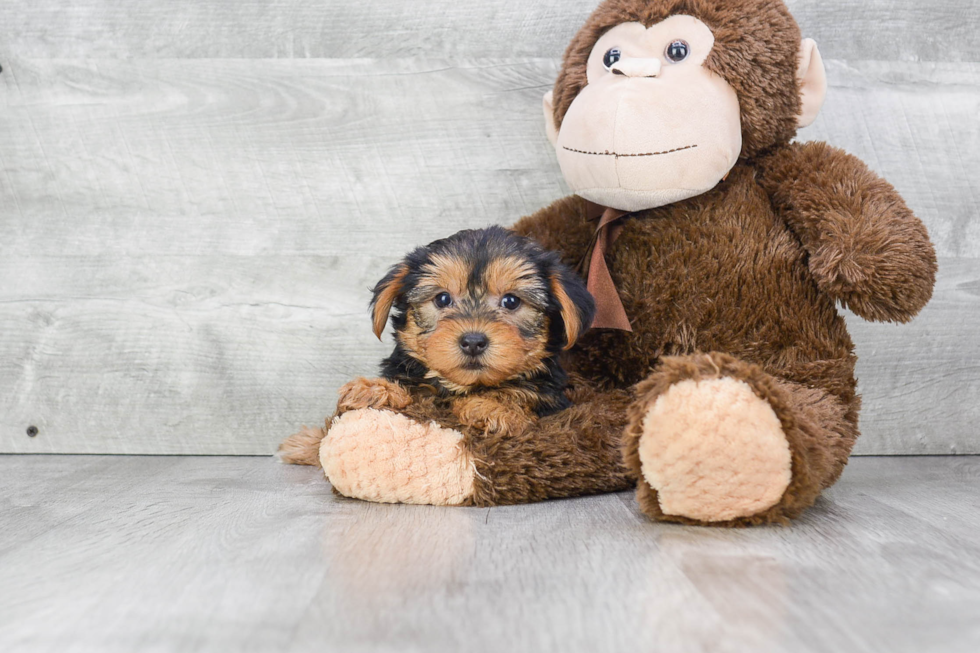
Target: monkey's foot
{"points": [[709, 448], [380, 456]]}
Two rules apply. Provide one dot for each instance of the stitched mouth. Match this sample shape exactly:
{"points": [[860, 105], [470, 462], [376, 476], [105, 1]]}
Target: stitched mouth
{"points": [[618, 155]]}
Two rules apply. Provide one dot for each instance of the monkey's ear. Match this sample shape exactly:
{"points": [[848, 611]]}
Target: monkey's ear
{"points": [[813, 82], [575, 303], [550, 127], [385, 293]]}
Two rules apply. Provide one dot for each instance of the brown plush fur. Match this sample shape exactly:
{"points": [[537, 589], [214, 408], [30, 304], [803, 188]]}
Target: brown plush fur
{"points": [[881, 267], [718, 272], [750, 271]]}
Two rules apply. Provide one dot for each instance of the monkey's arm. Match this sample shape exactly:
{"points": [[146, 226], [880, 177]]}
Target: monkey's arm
{"points": [[867, 249], [563, 226]]}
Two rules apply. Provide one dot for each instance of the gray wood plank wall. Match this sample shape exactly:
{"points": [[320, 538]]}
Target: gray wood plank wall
{"points": [[196, 196]]}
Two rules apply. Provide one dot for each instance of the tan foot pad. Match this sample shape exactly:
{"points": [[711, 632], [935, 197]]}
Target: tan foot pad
{"points": [[380, 456], [714, 451]]}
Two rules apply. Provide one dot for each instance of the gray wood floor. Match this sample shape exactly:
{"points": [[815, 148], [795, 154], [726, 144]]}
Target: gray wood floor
{"points": [[243, 554]]}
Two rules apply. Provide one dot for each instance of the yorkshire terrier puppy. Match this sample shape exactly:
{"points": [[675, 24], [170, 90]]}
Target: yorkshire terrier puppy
{"points": [[480, 320]]}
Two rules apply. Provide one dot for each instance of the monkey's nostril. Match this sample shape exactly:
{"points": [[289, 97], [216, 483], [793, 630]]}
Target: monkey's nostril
{"points": [[473, 344]]}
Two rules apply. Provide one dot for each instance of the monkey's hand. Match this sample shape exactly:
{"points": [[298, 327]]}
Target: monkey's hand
{"points": [[372, 393], [491, 413], [867, 249]]}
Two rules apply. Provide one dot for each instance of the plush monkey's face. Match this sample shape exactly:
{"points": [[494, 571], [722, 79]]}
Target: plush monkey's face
{"points": [[652, 125], [482, 307]]}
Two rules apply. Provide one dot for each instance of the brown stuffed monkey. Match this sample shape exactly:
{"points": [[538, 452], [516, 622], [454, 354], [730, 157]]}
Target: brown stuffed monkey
{"points": [[719, 380]]}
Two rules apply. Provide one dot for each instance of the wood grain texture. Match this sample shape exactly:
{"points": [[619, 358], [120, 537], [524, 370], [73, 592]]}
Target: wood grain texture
{"points": [[242, 554], [916, 125], [187, 245], [196, 248], [898, 30]]}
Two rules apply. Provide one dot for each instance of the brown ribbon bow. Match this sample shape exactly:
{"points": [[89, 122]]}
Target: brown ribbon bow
{"points": [[610, 313]]}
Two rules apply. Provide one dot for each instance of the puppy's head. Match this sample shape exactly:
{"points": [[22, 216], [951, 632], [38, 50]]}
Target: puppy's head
{"points": [[482, 307]]}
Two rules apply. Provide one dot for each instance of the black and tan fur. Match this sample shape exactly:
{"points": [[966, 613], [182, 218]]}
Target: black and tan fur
{"points": [[518, 375]]}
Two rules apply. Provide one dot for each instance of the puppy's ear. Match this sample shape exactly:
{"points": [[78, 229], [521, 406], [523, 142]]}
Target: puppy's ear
{"points": [[385, 294], [576, 304]]}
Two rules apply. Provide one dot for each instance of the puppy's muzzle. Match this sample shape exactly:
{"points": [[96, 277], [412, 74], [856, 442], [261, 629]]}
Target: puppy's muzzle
{"points": [[473, 344]]}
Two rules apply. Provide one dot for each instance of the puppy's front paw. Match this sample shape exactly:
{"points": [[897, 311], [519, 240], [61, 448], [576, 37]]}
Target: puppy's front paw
{"points": [[372, 393], [487, 414]]}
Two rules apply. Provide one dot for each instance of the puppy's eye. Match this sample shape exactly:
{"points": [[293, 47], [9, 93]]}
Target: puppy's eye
{"points": [[443, 299], [510, 302], [612, 56], [678, 51]]}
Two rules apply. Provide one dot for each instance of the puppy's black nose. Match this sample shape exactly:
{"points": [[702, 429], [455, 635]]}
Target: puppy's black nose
{"points": [[473, 344]]}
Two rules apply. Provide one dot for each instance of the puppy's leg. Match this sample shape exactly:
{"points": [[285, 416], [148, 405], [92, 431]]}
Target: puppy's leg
{"points": [[302, 448], [372, 393], [490, 413]]}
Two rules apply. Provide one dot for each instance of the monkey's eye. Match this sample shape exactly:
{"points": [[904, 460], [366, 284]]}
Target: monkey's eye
{"points": [[443, 299], [612, 56], [678, 51], [510, 302]]}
